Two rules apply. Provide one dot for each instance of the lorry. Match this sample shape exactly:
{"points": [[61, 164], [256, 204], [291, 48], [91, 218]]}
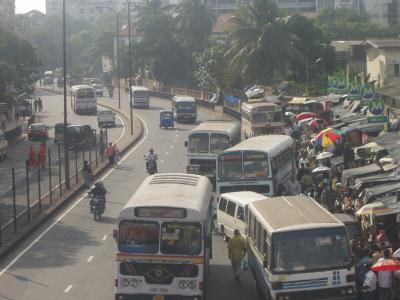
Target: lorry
{"points": [[106, 118]]}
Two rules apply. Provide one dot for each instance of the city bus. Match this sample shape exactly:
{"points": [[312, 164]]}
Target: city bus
{"points": [[206, 141], [140, 96], [83, 99], [303, 104], [184, 108], [260, 118], [298, 250], [164, 239], [265, 164]]}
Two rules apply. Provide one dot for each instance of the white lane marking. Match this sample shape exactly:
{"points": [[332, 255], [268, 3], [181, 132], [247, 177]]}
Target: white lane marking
{"points": [[166, 153], [68, 288], [175, 141], [104, 237], [162, 160], [177, 135], [55, 188], [6, 268], [90, 259], [172, 146]]}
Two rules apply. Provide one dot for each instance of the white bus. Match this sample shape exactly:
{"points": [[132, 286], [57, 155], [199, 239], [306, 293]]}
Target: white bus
{"points": [[260, 118], [83, 99], [164, 239], [264, 164], [184, 108], [206, 141], [140, 96], [298, 250]]}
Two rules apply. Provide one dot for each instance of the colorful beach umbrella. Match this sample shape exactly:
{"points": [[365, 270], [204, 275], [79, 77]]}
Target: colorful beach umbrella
{"points": [[375, 208], [328, 137]]}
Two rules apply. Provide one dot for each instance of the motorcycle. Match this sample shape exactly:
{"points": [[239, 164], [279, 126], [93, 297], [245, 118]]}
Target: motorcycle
{"points": [[97, 206], [111, 92], [151, 166]]}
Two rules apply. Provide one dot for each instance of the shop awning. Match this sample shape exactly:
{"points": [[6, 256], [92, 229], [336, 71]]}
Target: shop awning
{"points": [[360, 171]]}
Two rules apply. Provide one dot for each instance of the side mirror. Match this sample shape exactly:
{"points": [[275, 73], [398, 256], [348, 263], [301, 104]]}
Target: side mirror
{"points": [[186, 143], [115, 234]]}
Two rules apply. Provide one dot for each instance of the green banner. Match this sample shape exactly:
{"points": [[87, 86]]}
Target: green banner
{"points": [[354, 91]]}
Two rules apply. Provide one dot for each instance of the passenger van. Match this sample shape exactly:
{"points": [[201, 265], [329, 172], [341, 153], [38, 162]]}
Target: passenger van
{"points": [[3, 145], [232, 211], [140, 96], [299, 250]]}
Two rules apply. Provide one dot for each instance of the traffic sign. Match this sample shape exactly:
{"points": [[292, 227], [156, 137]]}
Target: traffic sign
{"points": [[378, 119], [376, 106]]}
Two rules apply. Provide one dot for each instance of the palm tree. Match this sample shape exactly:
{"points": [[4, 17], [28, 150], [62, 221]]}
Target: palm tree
{"points": [[261, 45], [195, 23]]}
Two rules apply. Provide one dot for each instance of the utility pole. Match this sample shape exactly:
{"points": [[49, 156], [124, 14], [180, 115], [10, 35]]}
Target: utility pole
{"points": [[130, 63], [66, 154]]}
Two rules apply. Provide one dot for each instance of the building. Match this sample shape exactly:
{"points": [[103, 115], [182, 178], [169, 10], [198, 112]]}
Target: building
{"points": [[29, 22], [7, 14], [378, 10], [383, 60], [353, 53]]}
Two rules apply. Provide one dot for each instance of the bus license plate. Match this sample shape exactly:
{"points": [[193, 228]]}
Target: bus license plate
{"points": [[158, 297]]}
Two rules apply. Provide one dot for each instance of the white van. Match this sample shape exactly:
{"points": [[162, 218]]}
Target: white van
{"points": [[232, 211], [140, 96], [3, 145]]}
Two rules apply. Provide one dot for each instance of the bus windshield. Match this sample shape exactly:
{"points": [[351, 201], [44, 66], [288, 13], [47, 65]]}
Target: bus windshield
{"points": [[181, 238], [255, 164], [87, 93], [186, 106], [230, 165], [275, 116], [138, 237], [141, 94], [259, 118], [307, 250], [199, 143], [219, 142]]}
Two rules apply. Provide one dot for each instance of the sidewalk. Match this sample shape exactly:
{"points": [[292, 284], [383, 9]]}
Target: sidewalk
{"points": [[40, 208]]}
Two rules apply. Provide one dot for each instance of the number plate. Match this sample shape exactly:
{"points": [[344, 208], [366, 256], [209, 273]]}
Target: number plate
{"points": [[158, 297]]}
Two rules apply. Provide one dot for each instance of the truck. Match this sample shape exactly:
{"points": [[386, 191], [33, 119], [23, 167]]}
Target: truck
{"points": [[106, 118]]}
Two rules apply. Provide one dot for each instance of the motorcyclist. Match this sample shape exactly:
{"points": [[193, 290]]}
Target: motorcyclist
{"points": [[111, 91], [151, 156], [99, 192]]}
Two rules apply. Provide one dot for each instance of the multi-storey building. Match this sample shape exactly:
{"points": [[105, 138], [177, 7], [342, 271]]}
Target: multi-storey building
{"points": [[7, 14]]}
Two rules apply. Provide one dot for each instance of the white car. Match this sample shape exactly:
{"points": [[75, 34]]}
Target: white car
{"points": [[98, 88], [106, 118]]}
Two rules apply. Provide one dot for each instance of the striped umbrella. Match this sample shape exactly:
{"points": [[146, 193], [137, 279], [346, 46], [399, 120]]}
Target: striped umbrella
{"points": [[375, 208]]}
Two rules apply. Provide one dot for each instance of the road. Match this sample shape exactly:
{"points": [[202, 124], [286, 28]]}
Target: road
{"points": [[73, 257]]}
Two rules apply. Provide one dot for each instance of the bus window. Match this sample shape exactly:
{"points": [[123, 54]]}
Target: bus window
{"points": [[181, 238], [138, 237], [255, 164], [219, 142], [230, 209], [230, 165], [240, 213], [275, 116], [141, 94], [81, 94], [90, 93], [259, 118], [199, 143], [222, 204], [186, 106]]}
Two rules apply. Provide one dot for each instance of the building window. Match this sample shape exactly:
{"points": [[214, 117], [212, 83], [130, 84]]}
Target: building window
{"points": [[396, 70]]}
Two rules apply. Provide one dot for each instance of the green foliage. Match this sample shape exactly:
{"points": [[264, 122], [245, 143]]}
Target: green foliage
{"points": [[342, 24], [18, 69]]}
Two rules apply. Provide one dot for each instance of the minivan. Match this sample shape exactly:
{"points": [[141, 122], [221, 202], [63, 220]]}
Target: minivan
{"points": [[232, 212]]}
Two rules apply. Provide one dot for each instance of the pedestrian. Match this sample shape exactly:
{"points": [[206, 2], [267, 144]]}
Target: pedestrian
{"points": [[42, 155], [385, 277], [369, 284], [32, 157], [236, 253], [117, 156], [40, 105], [87, 173], [35, 105], [110, 152]]}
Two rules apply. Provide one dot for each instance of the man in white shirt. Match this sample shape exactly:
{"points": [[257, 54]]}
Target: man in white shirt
{"points": [[385, 278], [369, 284]]}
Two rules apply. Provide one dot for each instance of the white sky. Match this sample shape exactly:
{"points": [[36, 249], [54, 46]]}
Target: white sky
{"points": [[23, 6]]}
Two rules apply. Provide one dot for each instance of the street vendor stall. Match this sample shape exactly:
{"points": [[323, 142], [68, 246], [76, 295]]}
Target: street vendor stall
{"points": [[349, 175], [370, 194]]}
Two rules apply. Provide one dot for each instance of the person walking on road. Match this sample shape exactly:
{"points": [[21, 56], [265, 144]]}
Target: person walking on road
{"points": [[369, 284], [35, 105], [32, 157], [87, 173], [40, 104], [42, 155], [110, 152], [117, 156], [385, 278], [236, 253]]}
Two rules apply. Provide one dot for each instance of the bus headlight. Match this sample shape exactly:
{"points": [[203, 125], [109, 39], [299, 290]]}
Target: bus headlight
{"points": [[124, 282], [134, 283], [182, 284], [192, 284]]}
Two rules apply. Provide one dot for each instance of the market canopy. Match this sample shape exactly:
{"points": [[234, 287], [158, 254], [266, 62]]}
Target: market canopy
{"points": [[360, 171], [378, 178], [368, 193]]}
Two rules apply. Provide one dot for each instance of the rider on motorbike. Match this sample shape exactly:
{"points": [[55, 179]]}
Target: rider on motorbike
{"points": [[151, 156], [99, 192]]}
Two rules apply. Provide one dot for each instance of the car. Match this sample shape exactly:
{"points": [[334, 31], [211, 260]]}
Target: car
{"points": [[106, 118], [59, 132], [3, 145], [98, 88], [38, 132], [80, 136]]}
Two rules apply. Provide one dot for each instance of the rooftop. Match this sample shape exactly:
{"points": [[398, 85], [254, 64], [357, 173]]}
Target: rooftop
{"points": [[382, 43]]}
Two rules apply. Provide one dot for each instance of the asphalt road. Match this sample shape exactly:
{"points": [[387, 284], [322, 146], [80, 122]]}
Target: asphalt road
{"points": [[73, 257]]}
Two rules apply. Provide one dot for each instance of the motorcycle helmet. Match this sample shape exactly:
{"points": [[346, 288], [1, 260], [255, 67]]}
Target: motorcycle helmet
{"points": [[151, 150], [98, 183]]}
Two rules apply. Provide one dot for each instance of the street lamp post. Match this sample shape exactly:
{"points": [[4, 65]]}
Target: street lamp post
{"points": [[118, 72], [66, 154], [130, 63]]}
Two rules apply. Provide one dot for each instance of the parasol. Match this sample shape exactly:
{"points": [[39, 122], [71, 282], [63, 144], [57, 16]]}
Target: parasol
{"points": [[324, 155], [375, 208], [328, 137], [321, 169], [306, 115], [386, 265]]}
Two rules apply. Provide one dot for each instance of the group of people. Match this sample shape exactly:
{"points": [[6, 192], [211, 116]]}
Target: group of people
{"points": [[37, 158], [38, 105], [112, 153]]}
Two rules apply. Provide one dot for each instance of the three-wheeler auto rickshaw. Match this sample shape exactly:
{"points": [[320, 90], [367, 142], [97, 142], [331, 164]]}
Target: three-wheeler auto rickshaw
{"points": [[166, 119]]}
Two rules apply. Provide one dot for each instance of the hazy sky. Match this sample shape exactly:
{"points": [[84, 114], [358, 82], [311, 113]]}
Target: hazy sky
{"points": [[23, 6]]}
